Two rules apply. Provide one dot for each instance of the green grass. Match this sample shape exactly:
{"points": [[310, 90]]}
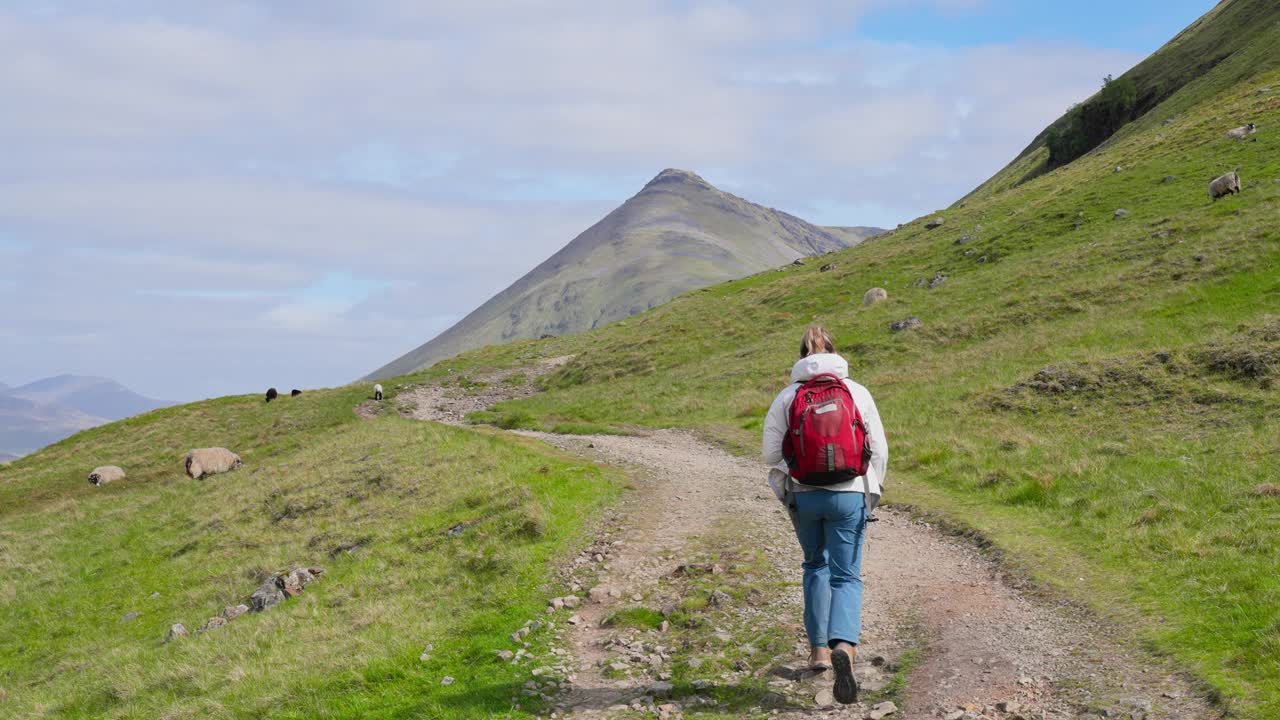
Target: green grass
{"points": [[370, 501], [1145, 484], [640, 618]]}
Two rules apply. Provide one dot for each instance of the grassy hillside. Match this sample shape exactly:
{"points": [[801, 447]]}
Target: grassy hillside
{"points": [[677, 234], [1233, 41], [1096, 394], [94, 577]]}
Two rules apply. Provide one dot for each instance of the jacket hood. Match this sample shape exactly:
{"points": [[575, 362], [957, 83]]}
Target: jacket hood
{"points": [[818, 364]]}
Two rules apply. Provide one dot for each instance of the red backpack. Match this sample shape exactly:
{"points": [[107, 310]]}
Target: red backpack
{"points": [[826, 441]]}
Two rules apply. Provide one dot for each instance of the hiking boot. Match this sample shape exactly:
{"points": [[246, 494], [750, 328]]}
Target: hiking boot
{"points": [[846, 687], [820, 659]]}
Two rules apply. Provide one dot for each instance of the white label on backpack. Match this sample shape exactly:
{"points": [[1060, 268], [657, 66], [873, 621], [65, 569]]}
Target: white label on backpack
{"points": [[824, 409]]}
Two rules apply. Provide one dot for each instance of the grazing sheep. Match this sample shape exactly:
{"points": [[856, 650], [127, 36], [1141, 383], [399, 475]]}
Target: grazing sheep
{"points": [[1241, 133], [377, 392], [873, 296], [203, 462], [272, 394], [295, 392], [105, 474], [1228, 184]]}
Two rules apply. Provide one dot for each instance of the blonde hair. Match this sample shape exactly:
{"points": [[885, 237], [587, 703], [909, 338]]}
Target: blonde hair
{"points": [[816, 340]]}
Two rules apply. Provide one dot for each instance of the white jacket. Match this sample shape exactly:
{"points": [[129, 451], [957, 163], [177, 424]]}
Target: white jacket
{"points": [[775, 429]]}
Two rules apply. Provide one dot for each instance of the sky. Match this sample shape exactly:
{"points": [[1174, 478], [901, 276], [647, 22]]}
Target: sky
{"points": [[200, 199]]}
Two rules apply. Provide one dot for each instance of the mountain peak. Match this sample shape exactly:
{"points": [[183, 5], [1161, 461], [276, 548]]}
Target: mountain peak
{"points": [[676, 176], [677, 234]]}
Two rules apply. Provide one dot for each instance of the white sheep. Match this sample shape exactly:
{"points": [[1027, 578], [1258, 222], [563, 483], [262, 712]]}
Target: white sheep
{"points": [[203, 462], [874, 295], [377, 391], [105, 474], [1228, 184], [1241, 133]]}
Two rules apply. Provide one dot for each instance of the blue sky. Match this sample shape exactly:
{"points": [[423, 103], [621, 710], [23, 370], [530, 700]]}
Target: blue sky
{"points": [[1137, 25], [206, 198]]}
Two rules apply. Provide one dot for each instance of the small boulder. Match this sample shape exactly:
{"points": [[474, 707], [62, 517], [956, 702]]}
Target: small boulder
{"points": [[873, 296], [268, 595], [825, 698], [1168, 179], [935, 223], [798, 262], [938, 281], [214, 622], [1122, 213], [660, 689], [910, 323], [176, 631], [231, 612], [827, 268], [882, 710]]}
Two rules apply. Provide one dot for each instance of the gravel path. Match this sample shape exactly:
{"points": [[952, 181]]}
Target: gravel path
{"points": [[985, 650]]}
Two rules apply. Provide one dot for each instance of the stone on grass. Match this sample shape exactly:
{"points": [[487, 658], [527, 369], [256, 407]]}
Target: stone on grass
{"points": [[1122, 213], [176, 631], [266, 596], [505, 655], [446, 680], [231, 612], [873, 296], [214, 622], [910, 323], [935, 223]]}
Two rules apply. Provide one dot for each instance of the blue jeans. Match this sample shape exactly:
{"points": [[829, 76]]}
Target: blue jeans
{"points": [[830, 527]]}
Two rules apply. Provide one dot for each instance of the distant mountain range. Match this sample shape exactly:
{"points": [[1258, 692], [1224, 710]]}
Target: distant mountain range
{"points": [[48, 410], [679, 233]]}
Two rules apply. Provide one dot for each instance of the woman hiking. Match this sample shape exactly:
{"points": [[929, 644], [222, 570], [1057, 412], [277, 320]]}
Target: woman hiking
{"points": [[826, 430]]}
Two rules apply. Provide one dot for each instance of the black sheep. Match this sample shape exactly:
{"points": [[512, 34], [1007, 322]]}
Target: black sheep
{"points": [[295, 392], [271, 394]]}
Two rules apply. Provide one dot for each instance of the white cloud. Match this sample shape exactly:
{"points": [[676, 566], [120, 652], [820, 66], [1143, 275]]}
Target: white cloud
{"points": [[226, 156]]}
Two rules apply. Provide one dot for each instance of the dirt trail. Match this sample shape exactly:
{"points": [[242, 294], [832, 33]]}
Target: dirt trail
{"points": [[985, 650]]}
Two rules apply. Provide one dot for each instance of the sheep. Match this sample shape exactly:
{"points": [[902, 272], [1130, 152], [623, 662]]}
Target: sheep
{"points": [[295, 392], [203, 462], [272, 394], [377, 391], [105, 474], [1228, 184], [873, 296], [1241, 133]]}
